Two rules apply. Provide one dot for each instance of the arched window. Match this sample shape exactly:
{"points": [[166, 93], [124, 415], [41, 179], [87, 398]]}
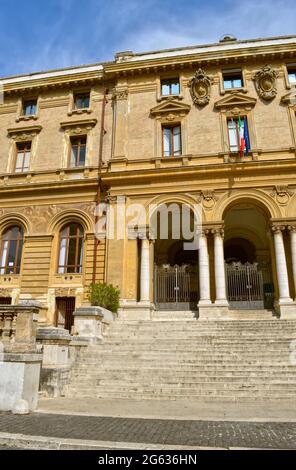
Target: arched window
{"points": [[11, 250], [71, 249]]}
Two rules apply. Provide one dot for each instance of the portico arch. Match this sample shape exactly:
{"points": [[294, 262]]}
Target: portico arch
{"points": [[248, 254], [175, 280]]}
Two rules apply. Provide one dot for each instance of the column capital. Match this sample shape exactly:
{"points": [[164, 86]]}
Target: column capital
{"points": [[143, 232], [278, 228], [203, 231], [292, 228], [218, 232]]}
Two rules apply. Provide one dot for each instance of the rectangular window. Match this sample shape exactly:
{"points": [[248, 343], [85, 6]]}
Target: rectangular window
{"points": [[81, 101], [236, 133], [78, 151], [170, 87], [291, 69], [171, 137], [232, 79], [23, 155], [29, 107]]}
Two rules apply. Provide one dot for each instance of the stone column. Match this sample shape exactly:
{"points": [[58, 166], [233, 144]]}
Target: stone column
{"points": [[220, 281], [204, 270], [292, 230], [281, 265], [145, 270]]}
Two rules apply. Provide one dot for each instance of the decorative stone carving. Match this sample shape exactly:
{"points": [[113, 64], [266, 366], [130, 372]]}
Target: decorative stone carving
{"points": [[200, 88], [207, 198], [5, 292], [65, 292], [218, 231], [170, 110], [282, 194], [23, 133], [292, 228], [289, 98], [277, 228], [120, 94], [265, 82], [40, 216], [78, 126], [235, 103]]}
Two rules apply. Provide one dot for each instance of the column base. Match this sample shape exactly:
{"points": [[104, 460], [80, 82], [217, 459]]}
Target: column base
{"points": [[132, 310], [287, 311], [212, 312], [221, 303]]}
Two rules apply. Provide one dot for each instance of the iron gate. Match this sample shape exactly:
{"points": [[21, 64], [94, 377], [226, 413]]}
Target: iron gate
{"points": [[175, 287], [245, 286]]}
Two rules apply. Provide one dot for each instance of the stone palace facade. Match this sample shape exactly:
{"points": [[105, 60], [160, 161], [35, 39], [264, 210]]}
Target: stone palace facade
{"points": [[153, 129]]}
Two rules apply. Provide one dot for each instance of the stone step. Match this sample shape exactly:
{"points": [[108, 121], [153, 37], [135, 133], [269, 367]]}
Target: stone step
{"points": [[182, 356], [248, 399], [186, 368], [181, 392], [168, 359], [195, 345], [170, 380]]}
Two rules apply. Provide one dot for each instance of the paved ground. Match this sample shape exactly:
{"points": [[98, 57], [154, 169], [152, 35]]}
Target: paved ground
{"points": [[270, 435], [181, 409]]}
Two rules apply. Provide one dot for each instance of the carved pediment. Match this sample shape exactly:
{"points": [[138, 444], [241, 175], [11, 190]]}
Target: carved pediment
{"points": [[236, 100], [289, 98], [78, 126], [170, 109], [23, 133]]}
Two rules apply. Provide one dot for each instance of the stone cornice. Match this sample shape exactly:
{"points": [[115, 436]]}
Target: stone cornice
{"points": [[232, 170], [204, 58], [237, 52], [79, 123], [50, 80]]}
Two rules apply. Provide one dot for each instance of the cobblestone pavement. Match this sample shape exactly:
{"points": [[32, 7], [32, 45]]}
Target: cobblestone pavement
{"points": [[154, 431]]}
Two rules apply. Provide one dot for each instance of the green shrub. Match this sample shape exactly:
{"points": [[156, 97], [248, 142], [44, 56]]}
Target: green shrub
{"points": [[104, 295]]}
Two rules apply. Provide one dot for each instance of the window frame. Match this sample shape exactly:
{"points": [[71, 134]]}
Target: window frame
{"points": [[231, 74], [235, 119], [171, 128], [79, 95], [77, 138], [5, 269], [29, 101], [78, 266], [170, 81], [291, 68], [18, 152]]}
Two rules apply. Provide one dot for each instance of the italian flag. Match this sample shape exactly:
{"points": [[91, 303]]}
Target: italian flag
{"points": [[242, 142]]}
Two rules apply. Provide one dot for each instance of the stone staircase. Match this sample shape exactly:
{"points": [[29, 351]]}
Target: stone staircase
{"points": [[189, 359]]}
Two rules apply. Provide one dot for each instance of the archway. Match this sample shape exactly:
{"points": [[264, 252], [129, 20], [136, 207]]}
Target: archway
{"points": [[247, 254], [175, 258]]}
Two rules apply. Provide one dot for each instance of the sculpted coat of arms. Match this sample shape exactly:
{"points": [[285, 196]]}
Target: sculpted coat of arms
{"points": [[265, 82], [200, 88]]}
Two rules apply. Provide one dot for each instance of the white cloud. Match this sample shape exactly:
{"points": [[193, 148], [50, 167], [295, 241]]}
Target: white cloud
{"points": [[244, 19]]}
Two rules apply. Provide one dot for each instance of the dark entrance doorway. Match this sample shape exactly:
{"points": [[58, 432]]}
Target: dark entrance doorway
{"points": [[65, 307], [5, 300]]}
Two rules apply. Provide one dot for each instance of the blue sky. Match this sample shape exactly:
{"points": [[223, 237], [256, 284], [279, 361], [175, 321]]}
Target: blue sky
{"points": [[47, 34]]}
